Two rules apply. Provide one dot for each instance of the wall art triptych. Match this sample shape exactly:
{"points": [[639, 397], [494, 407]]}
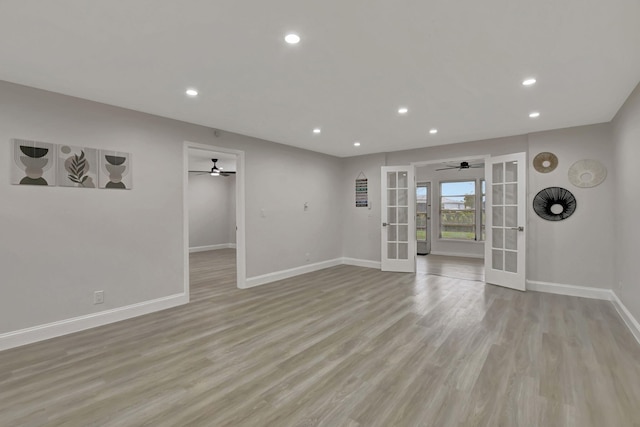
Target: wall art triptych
{"points": [[42, 163]]}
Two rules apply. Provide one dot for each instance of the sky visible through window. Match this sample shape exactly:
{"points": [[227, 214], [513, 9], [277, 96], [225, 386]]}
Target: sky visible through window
{"points": [[458, 188], [421, 194]]}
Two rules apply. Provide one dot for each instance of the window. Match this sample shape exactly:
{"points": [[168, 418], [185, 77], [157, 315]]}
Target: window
{"points": [[461, 213]]}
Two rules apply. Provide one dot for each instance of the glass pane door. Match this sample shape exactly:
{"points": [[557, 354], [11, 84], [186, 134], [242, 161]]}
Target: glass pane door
{"points": [[505, 246], [398, 221]]}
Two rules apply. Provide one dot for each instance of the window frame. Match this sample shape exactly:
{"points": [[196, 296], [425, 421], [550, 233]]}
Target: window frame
{"points": [[478, 209]]}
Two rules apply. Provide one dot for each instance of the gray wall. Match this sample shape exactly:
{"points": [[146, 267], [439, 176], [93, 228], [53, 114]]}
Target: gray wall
{"points": [[59, 245], [279, 180], [211, 210], [626, 126], [577, 251], [361, 236]]}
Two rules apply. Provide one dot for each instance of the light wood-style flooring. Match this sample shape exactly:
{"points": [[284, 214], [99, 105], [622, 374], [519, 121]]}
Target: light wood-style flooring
{"points": [[345, 346], [453, 267]]}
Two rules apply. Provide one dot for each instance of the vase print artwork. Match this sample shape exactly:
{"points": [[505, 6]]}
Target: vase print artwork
{"points": [[33, 163], [115, 170]]}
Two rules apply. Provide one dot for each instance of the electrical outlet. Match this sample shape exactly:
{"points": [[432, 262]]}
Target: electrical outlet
{"points": [[307, 256], [98, 297]]}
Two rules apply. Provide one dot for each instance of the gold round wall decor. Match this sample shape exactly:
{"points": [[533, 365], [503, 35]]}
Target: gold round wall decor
{"points": [[545, 162], [587, 173]]}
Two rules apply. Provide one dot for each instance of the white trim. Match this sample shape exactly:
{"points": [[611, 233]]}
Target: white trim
{"points": [[627, 317], [241, 254], [286, 274], [212, 247], [593, 293], [63, 327], [453, 159], [361, 263], [457, 254], [570, 290]]}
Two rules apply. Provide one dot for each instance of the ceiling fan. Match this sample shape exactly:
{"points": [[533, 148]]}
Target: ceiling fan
{"points": [[463, 165], [215, 170]]}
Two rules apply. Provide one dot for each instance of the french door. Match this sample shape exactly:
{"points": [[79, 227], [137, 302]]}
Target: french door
{"points": [[505, 247], [398, 219]]}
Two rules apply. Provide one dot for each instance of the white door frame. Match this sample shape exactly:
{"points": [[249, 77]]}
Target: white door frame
{"points": [[241, 253]]}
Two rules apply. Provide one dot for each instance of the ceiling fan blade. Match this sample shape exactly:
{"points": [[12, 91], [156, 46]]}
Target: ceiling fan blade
{"points": [[445, 169], [477, 166], [199, 171]]}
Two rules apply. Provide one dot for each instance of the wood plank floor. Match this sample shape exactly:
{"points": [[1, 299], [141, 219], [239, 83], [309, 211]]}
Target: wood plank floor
{"points": [[345, 346], [454, 267]]}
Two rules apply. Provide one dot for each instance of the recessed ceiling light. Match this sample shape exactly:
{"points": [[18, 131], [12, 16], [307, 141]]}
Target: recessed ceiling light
{"points": [[292, 38], [433, 131], [191, 92], [403, 110], [534, 114], [529, 82], [317, 130], [356, 144]]}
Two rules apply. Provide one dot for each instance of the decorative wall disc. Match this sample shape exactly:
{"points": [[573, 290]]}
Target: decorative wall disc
{"points": [[587, 173], [545, 162], [554, 204]]}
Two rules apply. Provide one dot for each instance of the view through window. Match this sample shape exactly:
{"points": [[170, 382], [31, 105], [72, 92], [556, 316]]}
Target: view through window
{"points": [[460, 215]]}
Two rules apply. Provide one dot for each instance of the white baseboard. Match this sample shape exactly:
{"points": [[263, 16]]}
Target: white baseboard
{"points": [[212, 247], [570, 290], [457, 254], [361, 262], [285, 274], [631, 322], [63, 327]]}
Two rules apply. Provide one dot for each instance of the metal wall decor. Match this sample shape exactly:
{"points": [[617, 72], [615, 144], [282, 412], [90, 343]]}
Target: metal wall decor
{"points": [[362, 191], [554, 204], [545, 162], [587, 173]]}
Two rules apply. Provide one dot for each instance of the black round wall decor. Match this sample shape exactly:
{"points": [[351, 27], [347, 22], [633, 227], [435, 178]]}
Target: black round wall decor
{"points": [[554, 204]]}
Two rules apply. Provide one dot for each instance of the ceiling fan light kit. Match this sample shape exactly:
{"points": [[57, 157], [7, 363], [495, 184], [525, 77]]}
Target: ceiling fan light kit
{"points": [[462, 165], [215, 170]]}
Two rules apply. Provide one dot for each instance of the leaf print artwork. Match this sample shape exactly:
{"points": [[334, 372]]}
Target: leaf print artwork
{"points": [[78, 166]]}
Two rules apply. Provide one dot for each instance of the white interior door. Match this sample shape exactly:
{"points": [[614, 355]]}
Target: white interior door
{"points": [[398, 219], [505, 255]]}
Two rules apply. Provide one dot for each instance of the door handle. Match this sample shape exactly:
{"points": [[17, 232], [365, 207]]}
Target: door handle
{"points": [[384, 224], [521, 228]]}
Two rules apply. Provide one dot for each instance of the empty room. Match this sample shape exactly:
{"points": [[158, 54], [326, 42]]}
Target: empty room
{"points": [[319, 213]]}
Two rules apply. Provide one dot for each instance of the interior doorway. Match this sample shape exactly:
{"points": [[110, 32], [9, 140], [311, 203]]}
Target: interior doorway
{"points": [[214, 213], [450, 219]]}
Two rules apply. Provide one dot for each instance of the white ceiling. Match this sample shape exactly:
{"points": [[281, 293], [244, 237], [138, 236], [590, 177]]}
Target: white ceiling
{"points": [[457, 65]]}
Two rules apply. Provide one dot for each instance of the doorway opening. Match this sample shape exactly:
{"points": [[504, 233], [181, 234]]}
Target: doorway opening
{"points": [[213, 218], [450, 218]]}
